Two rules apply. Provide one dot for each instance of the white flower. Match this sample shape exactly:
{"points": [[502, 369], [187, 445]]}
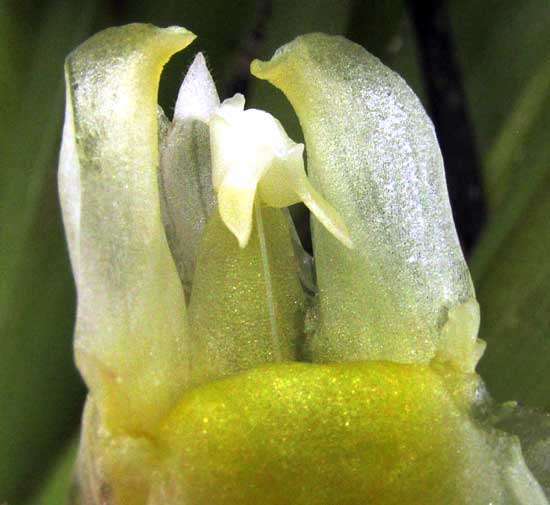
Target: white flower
{"points": [[254, 160]]}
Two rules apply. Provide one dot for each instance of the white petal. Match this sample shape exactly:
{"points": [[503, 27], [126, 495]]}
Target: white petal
{"points": [[236, 203], [250, 152]]}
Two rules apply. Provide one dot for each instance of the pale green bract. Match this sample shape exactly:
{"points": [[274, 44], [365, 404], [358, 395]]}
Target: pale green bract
{"points": [[206, 384], [397, 286]]}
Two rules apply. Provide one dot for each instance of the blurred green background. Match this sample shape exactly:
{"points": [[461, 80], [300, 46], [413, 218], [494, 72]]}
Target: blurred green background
{"points": [[482, 70]]}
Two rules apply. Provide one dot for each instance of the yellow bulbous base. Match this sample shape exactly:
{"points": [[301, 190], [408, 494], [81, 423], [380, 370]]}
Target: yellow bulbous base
{"points": [[338, 434]]}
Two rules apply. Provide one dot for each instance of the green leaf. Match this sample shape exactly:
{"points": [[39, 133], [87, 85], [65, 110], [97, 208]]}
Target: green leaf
{"points": [[511, 150], [513, 292], [12, 56], [500, 47], [504, 51], [40, 393], [56, 486]]}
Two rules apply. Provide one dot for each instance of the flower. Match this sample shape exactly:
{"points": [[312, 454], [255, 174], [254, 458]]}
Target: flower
{"points": [[252, 152], [204, 385]]}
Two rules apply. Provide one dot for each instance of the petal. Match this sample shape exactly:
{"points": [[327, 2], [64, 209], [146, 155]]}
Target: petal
{"points": [[130, 332], [252, 152], [236, 203], [240, 156], [373, 154], [286, 183]]}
